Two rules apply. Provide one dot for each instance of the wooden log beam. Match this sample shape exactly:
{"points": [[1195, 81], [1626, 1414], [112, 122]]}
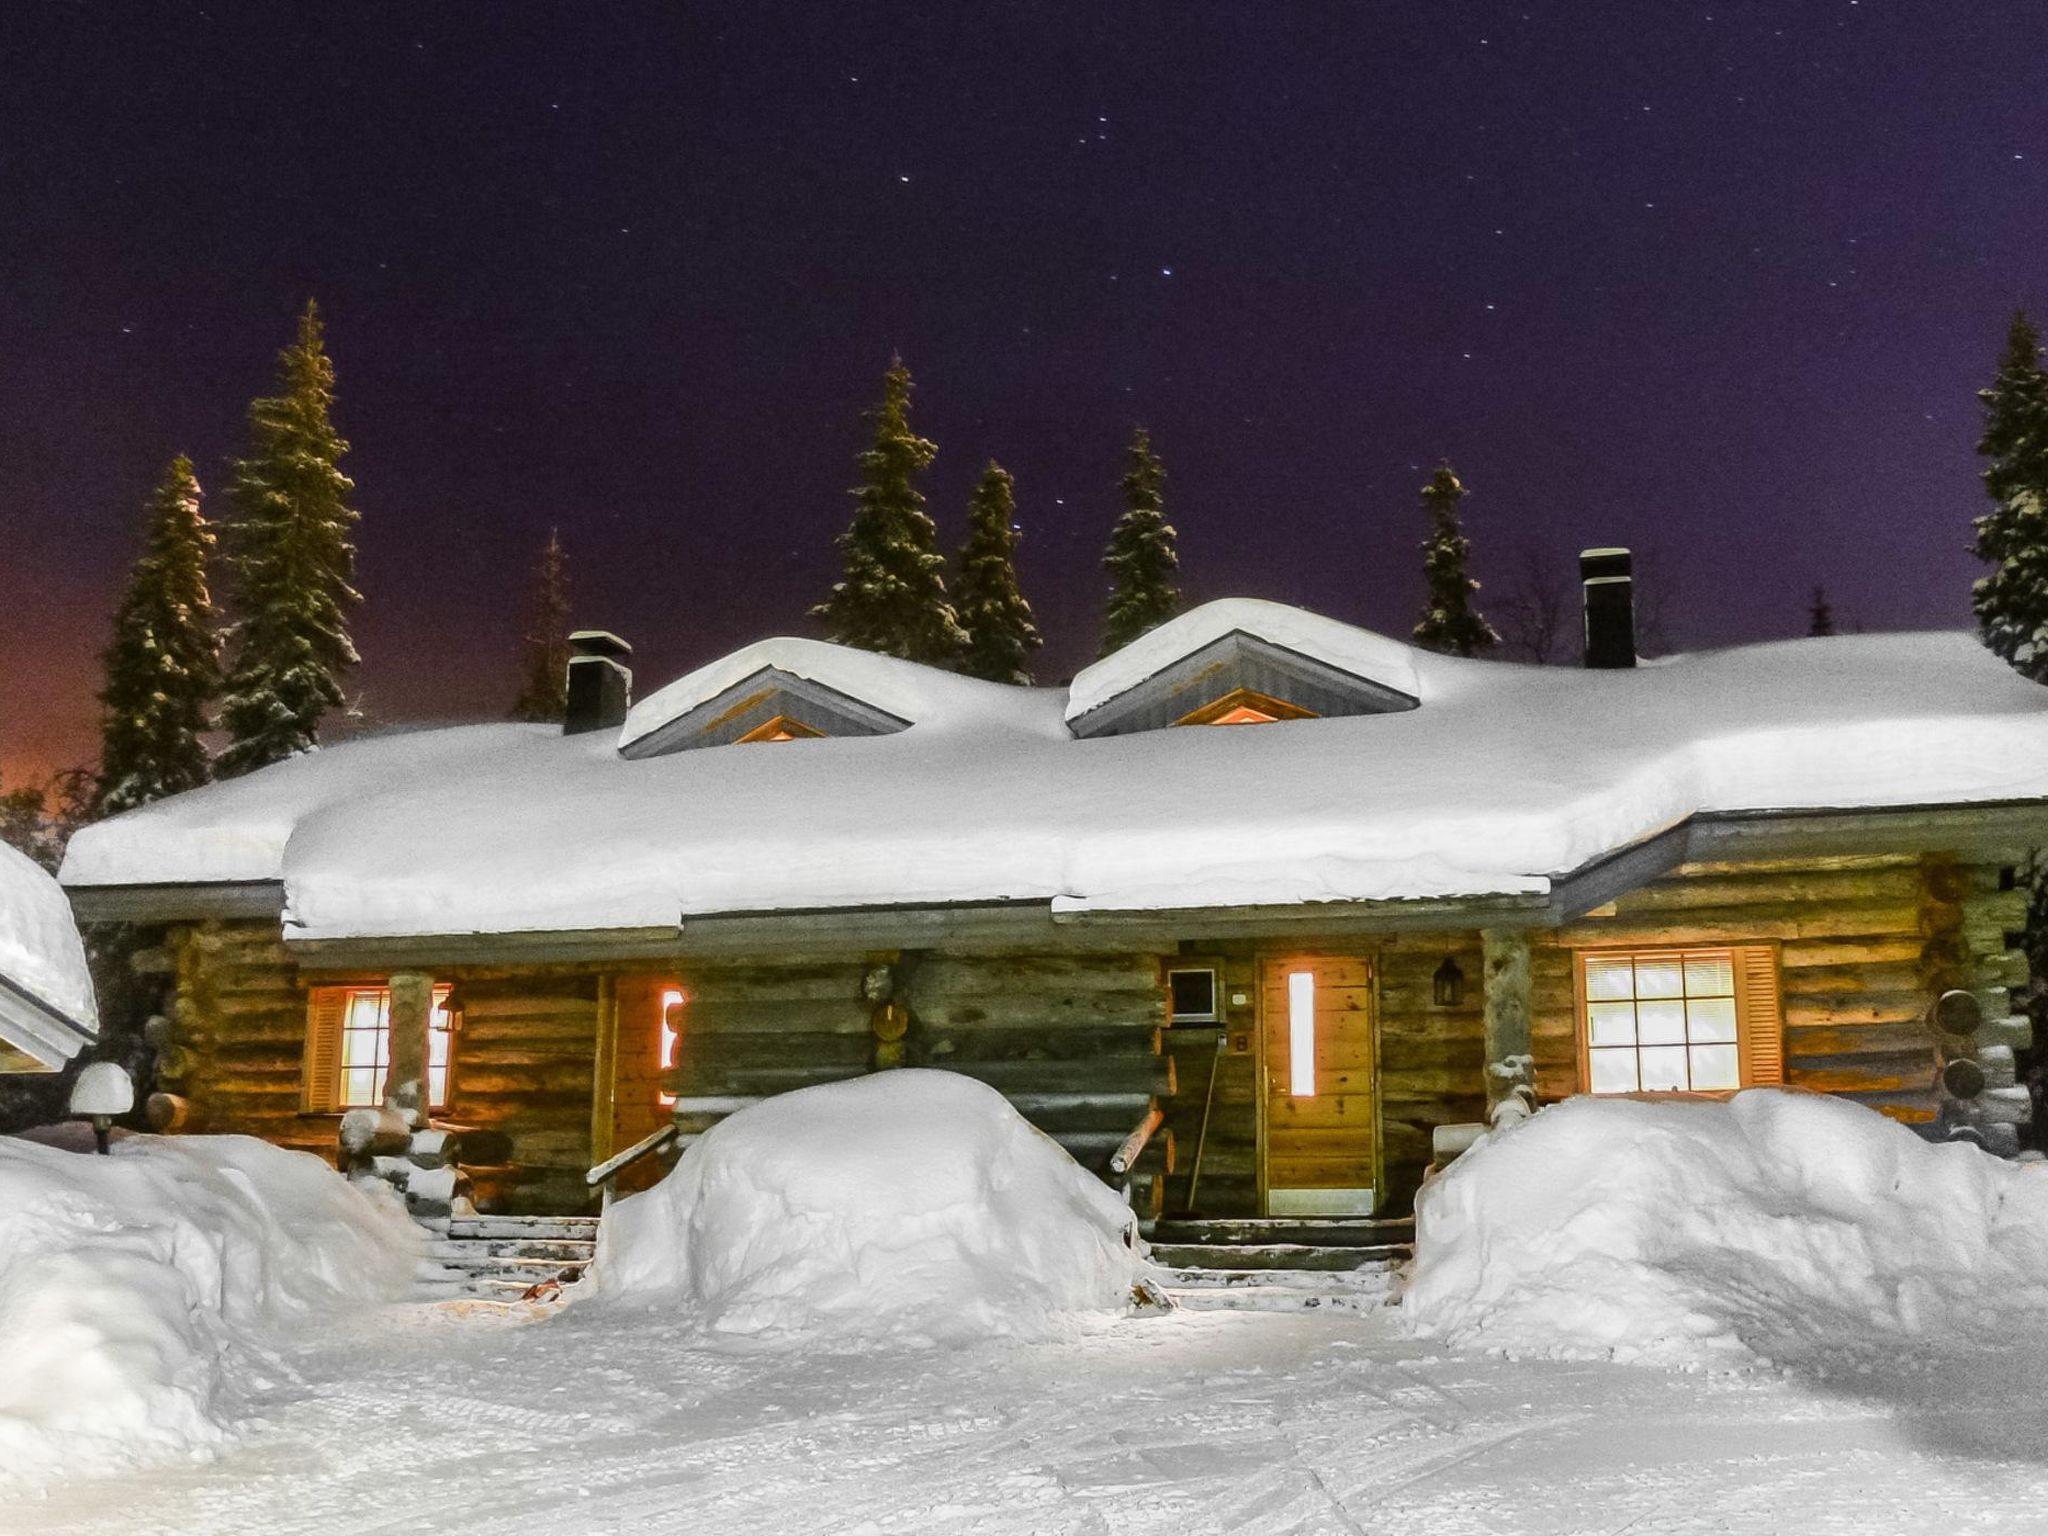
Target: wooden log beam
{"points": [[1509, 1062]]}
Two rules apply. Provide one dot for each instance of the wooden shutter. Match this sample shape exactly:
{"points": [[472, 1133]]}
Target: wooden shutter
{"points": [[1763, 1016], [320, 1091]]}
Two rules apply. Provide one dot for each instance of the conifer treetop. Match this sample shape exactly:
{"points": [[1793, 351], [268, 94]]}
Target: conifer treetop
{"points": [[292, 553], [891, 596], [544, 646], [1001, 636], [1143, 559], [2011, 600], [163, 663], [1450, 623]]}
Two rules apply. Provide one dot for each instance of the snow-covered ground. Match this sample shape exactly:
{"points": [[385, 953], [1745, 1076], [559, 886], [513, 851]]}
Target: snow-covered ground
{"points": [[413, 1421]]}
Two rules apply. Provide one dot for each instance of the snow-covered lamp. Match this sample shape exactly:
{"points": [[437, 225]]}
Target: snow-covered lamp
{"points": [[103, 1090]]}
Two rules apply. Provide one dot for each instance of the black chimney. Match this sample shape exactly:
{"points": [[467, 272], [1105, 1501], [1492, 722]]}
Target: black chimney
{"points": [[600, 682], [1608, 578]]}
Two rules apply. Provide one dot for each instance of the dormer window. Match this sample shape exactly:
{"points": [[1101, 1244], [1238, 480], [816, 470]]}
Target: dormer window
{"points": [[1245, 706], [781, 728]]}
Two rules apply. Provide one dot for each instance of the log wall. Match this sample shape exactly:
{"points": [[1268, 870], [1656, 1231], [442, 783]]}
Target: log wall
{"points": [[523, 1059]]}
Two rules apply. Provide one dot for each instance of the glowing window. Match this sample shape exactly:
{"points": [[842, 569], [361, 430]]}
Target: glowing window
{"points": [[782, 728], [1662, 1022], [1301, 1034], [365, 1053], [671, 1036], [1245, 706]]}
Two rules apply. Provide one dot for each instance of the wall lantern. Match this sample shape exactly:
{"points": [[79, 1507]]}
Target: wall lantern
{"points": [[1448, 985], [103, 1090]]}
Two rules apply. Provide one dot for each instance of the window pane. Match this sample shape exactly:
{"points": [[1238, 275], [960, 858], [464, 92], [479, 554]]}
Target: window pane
{"points": [[1709, 976], [1194, 993], [1712, 1019], [1661, 1022], [1663, 1067], [1715, 1066], [1660, 978], [1614, 1071], [1610, 976], [1611, 1023]]}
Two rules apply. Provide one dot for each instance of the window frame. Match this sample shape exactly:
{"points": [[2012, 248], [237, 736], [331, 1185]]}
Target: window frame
{"points": [[1274, 709], [328, 1061], [1742, 957]]}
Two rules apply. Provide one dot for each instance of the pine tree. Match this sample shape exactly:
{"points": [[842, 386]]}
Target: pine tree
{"points": [[1449, 621], [293, 557], [1000, 634], [544, 649], [163, 667], [1142, 560], [2011, 603], [892, 595], [1821, 615]]}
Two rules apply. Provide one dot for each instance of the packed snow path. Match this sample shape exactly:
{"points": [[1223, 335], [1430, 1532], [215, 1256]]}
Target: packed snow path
{"points": [[419, 1420]]}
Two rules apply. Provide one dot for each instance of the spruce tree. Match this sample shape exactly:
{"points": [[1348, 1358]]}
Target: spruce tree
{"points": [[1449, 621], [293, 557], [1000, 634], [1142, 560], [2011, 602], [544, 648], [163, 666], [891, 596], [1820, 617]]}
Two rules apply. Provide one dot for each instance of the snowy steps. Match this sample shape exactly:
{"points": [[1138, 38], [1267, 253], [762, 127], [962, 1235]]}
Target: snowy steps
{"points": [[1282, 1265], [501, 1258]]}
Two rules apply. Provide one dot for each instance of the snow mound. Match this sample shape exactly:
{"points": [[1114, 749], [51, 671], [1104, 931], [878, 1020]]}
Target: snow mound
{"points": [[40, 950], [907, 1207], [139, 1293], [1775, 1228]]}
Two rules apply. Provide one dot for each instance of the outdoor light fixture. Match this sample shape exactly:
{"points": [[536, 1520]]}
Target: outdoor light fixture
{"points": [[1448, 984], [103, 1090], [1301, 1034]]}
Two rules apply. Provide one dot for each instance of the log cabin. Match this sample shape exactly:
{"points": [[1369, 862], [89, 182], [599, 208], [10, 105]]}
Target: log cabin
{"points": [[1251, 915]]}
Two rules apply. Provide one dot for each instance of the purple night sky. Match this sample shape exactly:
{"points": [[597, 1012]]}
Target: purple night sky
{"points": [[1715, 280]]}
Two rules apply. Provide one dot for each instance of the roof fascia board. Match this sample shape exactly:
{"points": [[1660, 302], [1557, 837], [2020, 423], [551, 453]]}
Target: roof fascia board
{"points": [[33, 1027], [177, 901]]}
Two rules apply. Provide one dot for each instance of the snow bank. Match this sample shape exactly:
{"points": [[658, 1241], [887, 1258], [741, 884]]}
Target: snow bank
{"points": [[1777, 1227], [40, 950], [906, 1207], [139, 1292]]}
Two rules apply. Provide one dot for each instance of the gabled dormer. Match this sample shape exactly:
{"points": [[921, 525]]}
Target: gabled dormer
{"points": [[1242, 662], [777, 691]]}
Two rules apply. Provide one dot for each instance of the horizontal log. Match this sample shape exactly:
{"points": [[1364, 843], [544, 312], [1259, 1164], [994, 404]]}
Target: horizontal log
{"points": [[1104, 1074], [1126, 1010], [940, 978], [1747, 925], [1773, 890], [798, 1017], [836, 982], [1067, 1044]]}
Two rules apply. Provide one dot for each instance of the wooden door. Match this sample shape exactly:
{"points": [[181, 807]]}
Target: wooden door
{"points": [[1320, 1117]]}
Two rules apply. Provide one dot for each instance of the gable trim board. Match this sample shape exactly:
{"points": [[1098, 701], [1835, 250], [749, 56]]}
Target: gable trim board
{"points": [[36, 1030], [734, 713], [1238, 660]]}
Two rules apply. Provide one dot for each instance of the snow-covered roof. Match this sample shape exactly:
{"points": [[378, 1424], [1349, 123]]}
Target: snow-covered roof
{"points": [[1504, 778], [46, 999]]}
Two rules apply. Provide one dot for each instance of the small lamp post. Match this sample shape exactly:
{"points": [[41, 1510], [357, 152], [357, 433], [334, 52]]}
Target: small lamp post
{"points": [[103, 1090]]}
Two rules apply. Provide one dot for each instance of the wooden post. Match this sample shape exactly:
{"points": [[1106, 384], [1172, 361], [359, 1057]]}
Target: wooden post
{"points": [[405, 1083], [604, 1076], [1509, 1065]]}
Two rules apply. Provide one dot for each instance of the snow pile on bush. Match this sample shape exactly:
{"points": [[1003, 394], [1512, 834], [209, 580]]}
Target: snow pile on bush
{"points": [[139, 1292], [1774, 1228], [910, 1206]]}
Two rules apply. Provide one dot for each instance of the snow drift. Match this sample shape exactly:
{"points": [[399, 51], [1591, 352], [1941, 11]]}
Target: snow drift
{"points": [[1777, 1227], [139, 1292], [910, 1206]]}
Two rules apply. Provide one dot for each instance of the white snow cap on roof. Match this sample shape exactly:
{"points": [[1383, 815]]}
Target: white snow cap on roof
{"points": [[1346, 647], [905, 689], [40, 951]]}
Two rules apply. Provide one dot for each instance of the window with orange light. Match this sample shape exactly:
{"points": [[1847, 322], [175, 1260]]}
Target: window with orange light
{"points": [[670, 1038]]}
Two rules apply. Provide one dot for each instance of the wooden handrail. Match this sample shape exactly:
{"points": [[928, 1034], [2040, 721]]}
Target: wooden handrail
{"points": [[646, 1146], [1133, 1147]]}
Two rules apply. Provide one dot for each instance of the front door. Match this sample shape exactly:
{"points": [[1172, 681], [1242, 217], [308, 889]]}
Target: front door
{"points": [[1321, 1135]]}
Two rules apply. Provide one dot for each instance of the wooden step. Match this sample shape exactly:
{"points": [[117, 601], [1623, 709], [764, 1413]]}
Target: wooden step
{"points": [[1277, 1256], [558, 1228], [1330, 1282], [1332, 1232], [474, 1250], [1279, 1298]]}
